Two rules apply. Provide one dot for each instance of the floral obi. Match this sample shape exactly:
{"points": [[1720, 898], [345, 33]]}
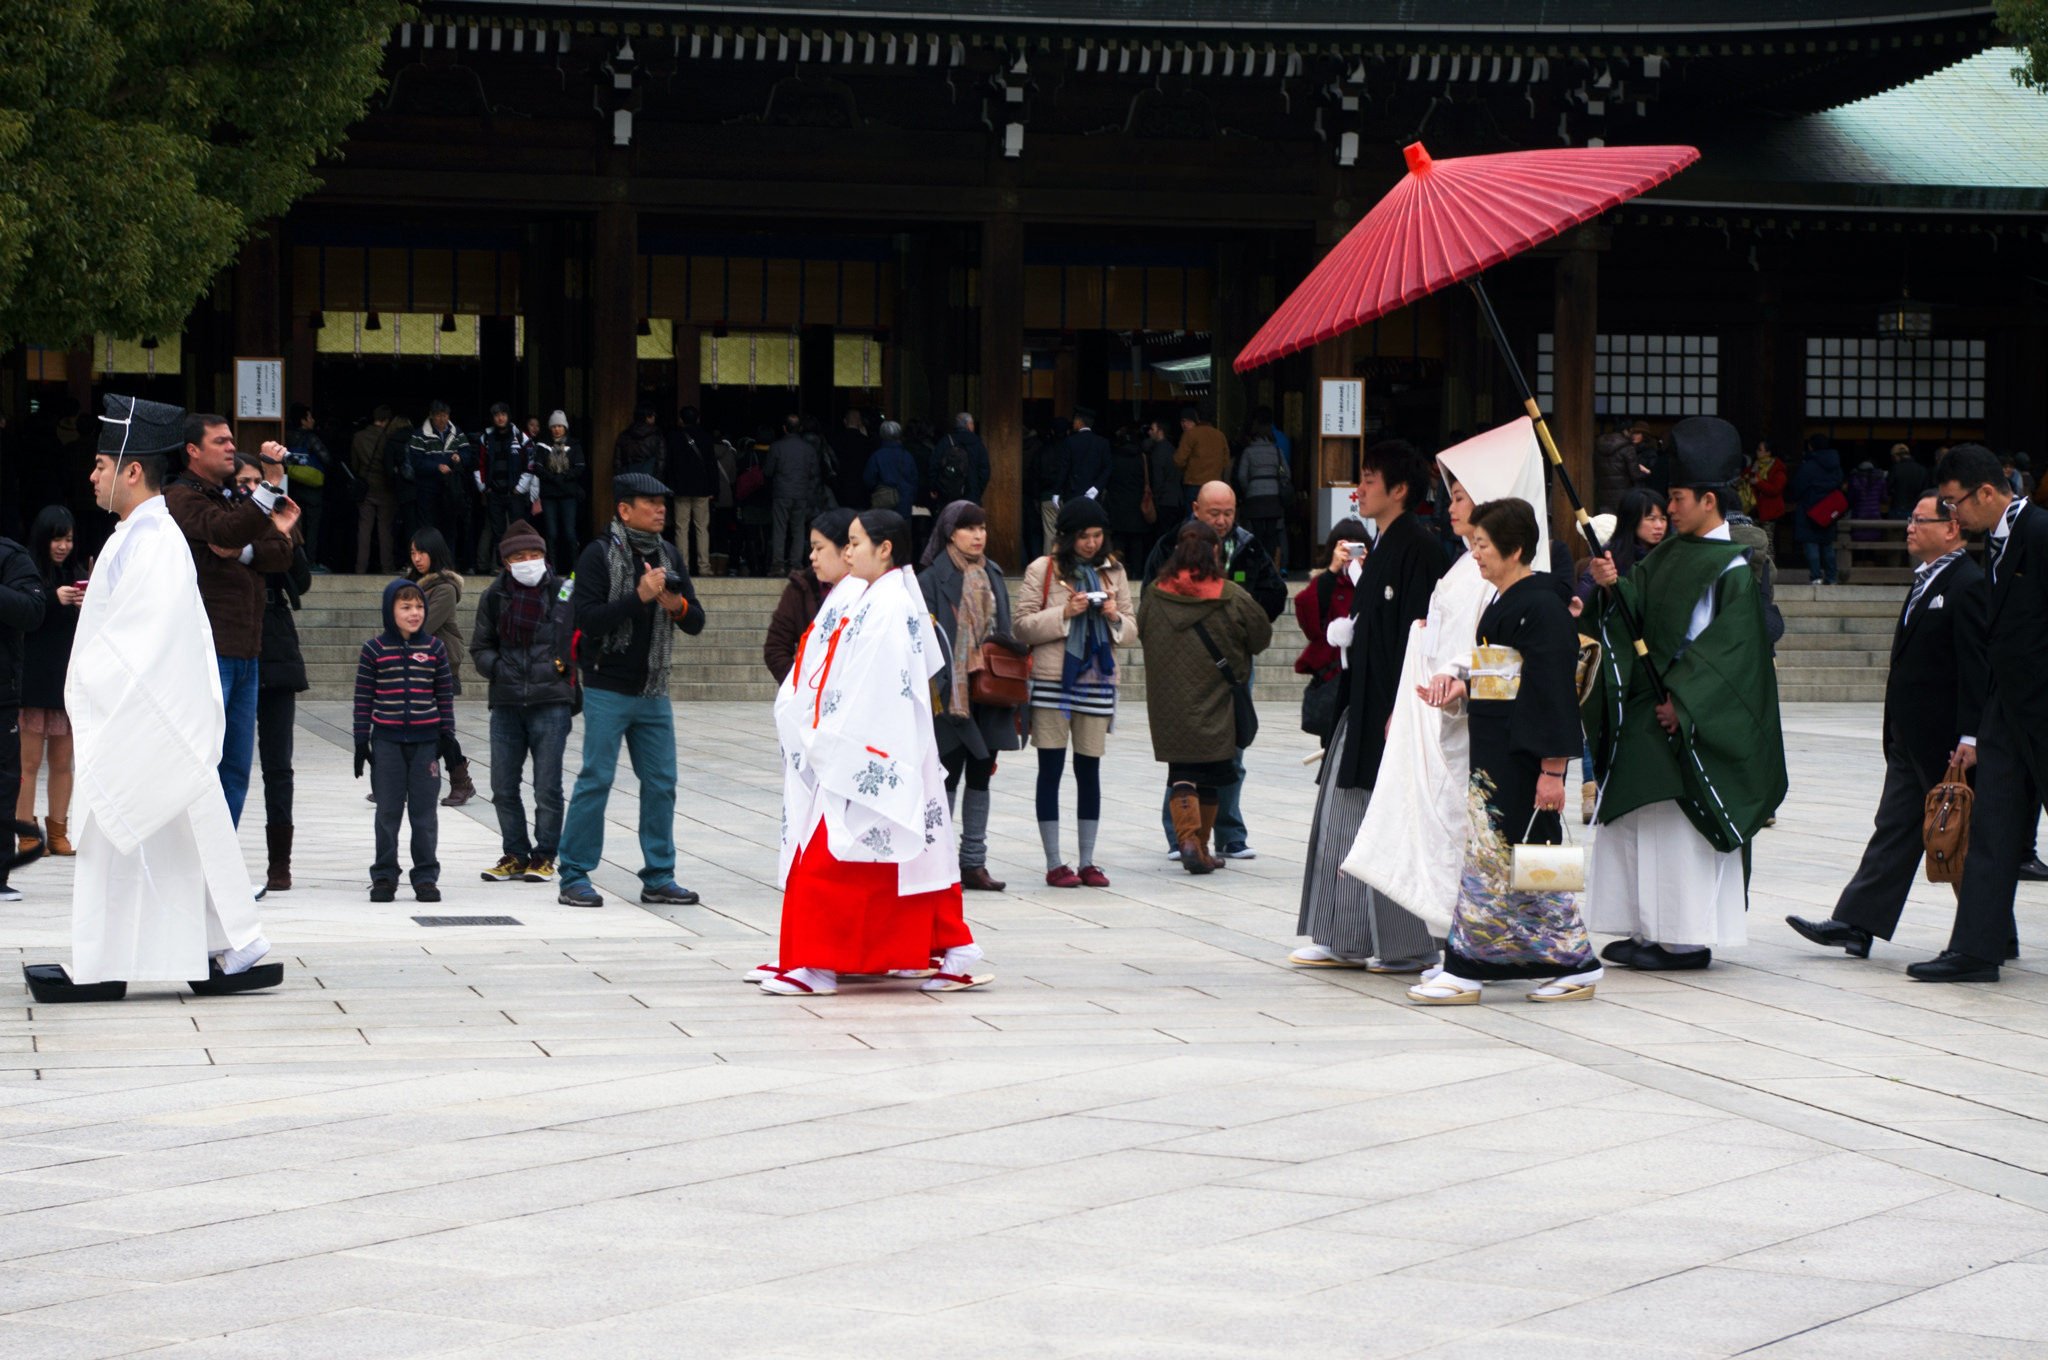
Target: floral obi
{"points": [[1496, 673]]}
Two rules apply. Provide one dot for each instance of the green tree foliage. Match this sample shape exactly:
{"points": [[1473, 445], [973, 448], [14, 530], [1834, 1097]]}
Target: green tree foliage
{"points": [[141, 140], [2026, 23]]}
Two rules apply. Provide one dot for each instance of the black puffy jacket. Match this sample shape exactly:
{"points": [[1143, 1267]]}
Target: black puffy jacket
{"points": [[22, 601], [279, 663], [541, 672]]}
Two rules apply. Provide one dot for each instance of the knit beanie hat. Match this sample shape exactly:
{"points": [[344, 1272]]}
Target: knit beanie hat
{"points": [[1079, 514], [557, 418], [521, 537]]}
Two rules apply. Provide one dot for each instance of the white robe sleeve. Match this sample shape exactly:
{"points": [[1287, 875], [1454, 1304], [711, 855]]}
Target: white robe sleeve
{"points": [[143, 690]]}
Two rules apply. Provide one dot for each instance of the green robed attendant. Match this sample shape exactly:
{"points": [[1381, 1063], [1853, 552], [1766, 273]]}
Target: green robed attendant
{"points": [[1685, 782]]}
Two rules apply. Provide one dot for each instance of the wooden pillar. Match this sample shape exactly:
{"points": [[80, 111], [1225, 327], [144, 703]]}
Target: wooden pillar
{"points": [[1576, 322], [689, 367], [1002, 384], [614, 352], [1233, 325], [259, 322]]}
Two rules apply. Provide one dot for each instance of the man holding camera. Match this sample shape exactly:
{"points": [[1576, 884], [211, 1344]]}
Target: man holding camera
{"points": [[631, 596]]}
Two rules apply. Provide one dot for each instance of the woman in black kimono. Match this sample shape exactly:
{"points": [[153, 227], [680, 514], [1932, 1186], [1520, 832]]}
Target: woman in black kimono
{"points": [[1524, 711]]}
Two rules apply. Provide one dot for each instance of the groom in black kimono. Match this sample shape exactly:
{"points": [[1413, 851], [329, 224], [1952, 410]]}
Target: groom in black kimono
{"points": [[1401, 570]]}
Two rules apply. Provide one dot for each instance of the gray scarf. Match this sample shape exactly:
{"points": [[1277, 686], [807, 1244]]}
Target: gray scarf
{"points": [[628, 547]]}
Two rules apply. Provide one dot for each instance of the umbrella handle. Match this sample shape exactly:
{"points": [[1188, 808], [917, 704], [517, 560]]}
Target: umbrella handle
{"points": [[1571, 492]]}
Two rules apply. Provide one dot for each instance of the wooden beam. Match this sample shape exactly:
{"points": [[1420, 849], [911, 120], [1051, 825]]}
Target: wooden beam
{"points": [[614, 354], [882, 200], [1002, 383]]}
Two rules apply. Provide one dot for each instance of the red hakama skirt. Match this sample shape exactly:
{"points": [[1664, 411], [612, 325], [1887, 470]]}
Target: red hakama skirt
{"points": [[849, 918]]}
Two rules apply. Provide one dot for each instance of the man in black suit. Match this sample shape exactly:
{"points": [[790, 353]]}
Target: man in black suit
{"points": [[2012, 738], [1933, 703], [1082, 465]]}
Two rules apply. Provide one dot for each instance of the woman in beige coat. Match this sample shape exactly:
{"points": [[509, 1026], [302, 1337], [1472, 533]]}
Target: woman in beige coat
{"points": [[1074, 608]]}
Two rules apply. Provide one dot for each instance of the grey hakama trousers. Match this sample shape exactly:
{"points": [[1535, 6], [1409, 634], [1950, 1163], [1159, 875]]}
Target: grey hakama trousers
{"points": [[1340, 913]]}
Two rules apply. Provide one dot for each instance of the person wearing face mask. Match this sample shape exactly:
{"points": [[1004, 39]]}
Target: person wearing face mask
{"points": [[525, 625]]}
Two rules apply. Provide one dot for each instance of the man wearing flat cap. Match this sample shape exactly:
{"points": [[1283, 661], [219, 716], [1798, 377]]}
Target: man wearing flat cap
{"points": [[1688, 773], [632, 595]]}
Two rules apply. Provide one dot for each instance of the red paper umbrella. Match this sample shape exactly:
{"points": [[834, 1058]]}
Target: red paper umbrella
{"points": [[1448, 220]]}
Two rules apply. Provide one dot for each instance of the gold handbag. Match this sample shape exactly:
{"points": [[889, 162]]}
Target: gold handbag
{"points": [[1547, 868]]}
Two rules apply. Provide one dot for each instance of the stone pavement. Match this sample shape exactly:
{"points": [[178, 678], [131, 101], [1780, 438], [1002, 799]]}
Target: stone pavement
{"points": [[582, 1135]]}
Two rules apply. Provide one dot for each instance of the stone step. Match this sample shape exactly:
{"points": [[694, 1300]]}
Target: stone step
{"points": [[1801, 693]]}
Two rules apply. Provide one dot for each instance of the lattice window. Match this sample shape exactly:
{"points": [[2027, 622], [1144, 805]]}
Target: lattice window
{"points": [[1850, 378], [1667, 376]]}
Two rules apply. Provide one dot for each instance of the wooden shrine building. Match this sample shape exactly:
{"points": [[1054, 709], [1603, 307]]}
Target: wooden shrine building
{"points": [[1014, 206]]}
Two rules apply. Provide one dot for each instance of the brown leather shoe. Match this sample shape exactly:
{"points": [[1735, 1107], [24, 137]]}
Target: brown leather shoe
{"points": [[60, 837], [977, 880]]}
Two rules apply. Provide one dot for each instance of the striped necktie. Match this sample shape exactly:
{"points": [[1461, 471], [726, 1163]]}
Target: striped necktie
{"points": [[1994, 547], [1923, 578]]}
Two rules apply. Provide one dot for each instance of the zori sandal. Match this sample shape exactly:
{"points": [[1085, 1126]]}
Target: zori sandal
{"points": [[956, 982], [802, 982], [1445, 990]]}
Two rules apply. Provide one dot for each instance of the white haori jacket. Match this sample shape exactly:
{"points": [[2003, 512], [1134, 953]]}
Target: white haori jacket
{"points": [[160, 880], [1411, 843], [855, 724]]}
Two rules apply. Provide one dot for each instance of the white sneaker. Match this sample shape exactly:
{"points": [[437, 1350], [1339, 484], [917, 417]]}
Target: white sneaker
{"points": [[9, 893], [243, 959], [1242, 852], [1320, 956], [1174, 854], [802, 982]]}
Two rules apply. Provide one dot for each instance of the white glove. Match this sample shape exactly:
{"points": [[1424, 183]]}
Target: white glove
{"points": [[1339, 633], [479, 480]]}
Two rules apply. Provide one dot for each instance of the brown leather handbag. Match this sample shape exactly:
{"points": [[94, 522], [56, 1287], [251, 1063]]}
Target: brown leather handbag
{"points": [[1004, 680], [1945, 829]]}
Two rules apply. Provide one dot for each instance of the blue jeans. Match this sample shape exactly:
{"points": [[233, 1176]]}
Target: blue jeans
{"points": [[558, 527], [541, 731], [647, 726], [238, 743], [1820, 561]]}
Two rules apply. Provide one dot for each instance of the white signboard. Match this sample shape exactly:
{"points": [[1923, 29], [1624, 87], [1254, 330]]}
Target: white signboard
{"points": [[1344, 406], [259, 389]]}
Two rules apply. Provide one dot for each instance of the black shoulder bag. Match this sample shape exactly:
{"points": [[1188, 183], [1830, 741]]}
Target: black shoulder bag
{"points": [[1241, 707]]}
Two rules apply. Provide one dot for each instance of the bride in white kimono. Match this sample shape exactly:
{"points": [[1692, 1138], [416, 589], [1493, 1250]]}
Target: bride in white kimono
{"points": [[161, 883], [869, 868], [1411, 845]]}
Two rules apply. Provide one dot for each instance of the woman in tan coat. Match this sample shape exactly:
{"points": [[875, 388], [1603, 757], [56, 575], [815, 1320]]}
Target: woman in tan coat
{"points": [[1188, 698], [1074, 609]]}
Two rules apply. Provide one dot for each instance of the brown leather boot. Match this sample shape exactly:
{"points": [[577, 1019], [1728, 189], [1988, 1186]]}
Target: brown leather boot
{"points": [[278, 878], [27, 843], [1209, 831], [979, 879], [60, 843], [460, 790], [1187, 829]]}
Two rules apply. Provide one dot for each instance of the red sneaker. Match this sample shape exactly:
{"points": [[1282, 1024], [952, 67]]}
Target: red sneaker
{"points": [[1092, 877], [1062, 877]]}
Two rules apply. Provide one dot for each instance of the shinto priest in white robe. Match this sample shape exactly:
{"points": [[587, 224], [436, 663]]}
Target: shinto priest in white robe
{"points": [[1411, 843], [160, 881]]}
